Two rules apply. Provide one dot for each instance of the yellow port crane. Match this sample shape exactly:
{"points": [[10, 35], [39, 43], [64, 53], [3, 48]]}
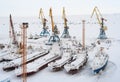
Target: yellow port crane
{"points": [[44, 32], [65, 33], [101, 20], [54, 37]]}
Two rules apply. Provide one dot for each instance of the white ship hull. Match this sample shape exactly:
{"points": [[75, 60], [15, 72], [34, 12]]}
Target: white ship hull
{"points": [[17, 62], [38, 64], [74, 66], [99, 63], [59, 64]]}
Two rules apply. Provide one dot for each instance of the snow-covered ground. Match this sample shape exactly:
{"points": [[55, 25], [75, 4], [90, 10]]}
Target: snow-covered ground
{"points": [[110, 74]]}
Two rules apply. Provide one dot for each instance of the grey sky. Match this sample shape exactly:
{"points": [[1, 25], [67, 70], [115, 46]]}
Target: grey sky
{"points": [[73, 7]]}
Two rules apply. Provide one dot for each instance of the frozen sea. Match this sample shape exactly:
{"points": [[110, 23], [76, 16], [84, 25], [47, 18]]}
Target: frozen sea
{"points": [[110, 74]]}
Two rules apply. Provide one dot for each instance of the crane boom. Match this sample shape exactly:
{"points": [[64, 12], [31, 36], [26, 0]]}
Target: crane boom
{"points": [[13, 32], [44, 20], [64, 18], [98, 15], [41, 15], [52, 22]]}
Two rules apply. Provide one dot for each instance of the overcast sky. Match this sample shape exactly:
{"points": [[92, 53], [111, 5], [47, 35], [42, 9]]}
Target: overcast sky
{"points": [[73, 7]]}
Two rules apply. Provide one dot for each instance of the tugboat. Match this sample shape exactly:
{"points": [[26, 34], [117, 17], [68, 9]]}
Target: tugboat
{"points": [[100, 61], [73, 67]]}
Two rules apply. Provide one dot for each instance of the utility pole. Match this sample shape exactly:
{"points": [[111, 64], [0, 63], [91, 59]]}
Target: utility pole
{"points": [[24, 51], [83, 34]]}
